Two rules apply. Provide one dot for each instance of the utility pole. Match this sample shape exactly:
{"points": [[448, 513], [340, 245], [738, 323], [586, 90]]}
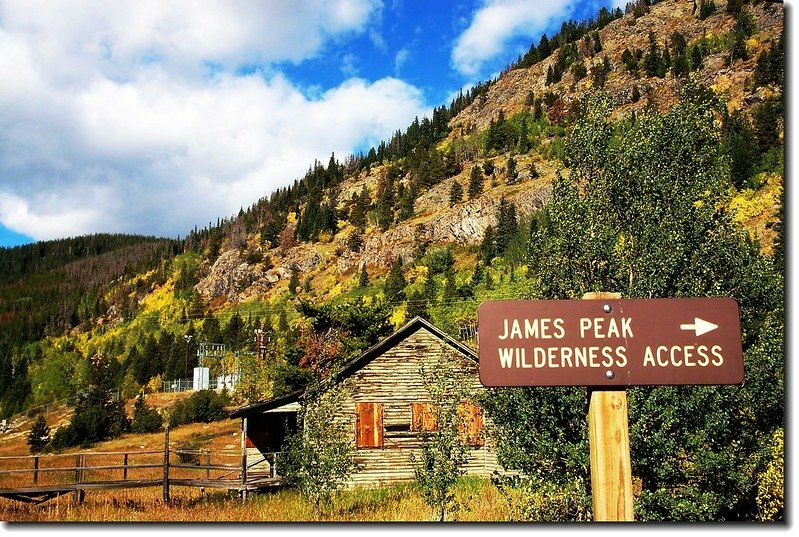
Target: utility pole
{"points": [[188, 339], [259, 343]]}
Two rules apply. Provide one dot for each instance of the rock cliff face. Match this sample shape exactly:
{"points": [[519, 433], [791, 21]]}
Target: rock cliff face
{"points": [[236, 280], [228, 276]]}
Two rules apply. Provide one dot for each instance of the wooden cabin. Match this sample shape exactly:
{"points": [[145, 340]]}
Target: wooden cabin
{"points": [[387, 407]]}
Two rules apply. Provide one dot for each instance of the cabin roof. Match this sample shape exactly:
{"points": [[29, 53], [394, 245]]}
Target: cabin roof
{"points": [[360, 362]]}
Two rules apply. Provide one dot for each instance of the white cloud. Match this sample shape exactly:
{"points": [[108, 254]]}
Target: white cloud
{"points": [[111, 121], [349, 65], [74, 40], [400, 59], [499, 21]]}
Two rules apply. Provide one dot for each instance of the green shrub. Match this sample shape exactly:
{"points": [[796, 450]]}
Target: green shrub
{"points": [[439, 261], [319, 456], [145, 419], [287, 378], [203, 406]]}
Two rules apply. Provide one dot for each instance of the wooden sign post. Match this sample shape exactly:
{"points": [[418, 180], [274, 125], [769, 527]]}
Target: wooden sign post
{"points": [[609, 447], [607, 344]]}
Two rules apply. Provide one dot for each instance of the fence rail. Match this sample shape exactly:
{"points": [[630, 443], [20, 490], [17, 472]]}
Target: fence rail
{"points": [[38, 478]]}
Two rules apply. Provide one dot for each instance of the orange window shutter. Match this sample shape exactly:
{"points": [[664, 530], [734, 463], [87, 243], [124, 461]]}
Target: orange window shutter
{"points": [[471, 424], [369, 424], [423, 417]]}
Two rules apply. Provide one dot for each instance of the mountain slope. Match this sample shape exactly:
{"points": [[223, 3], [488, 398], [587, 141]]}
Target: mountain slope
{"points": [[334, 234]]}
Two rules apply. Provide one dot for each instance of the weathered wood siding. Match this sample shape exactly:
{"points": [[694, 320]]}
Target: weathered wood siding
{"points": [[395, 380]]}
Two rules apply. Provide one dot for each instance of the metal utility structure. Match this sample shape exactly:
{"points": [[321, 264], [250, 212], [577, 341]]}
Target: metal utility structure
{"points": [[260, 343], [205, 353]]}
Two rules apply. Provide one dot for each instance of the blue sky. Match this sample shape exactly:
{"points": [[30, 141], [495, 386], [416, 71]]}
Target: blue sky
{"points": [[151, 117]]}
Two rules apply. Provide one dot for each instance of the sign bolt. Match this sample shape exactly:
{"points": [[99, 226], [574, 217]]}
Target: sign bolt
{"points": [[607, 308], [610, 374]]}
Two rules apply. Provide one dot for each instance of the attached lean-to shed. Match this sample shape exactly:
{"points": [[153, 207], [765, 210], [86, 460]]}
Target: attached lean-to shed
{"points": [[387, 407]]}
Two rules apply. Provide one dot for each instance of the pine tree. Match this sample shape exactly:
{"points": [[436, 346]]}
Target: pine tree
{"points": [[697, 57], [355, 241], [512, 174], [476, 182], [145, 418], [767, 116], [740, 144], [544, 47], [707, 8], [770, 65], [597, 43], [665, 63], [395, 282], [406, 203], [39, 435], [477, 275], [523, 145], [488, 249], [418, 306], [97, 415], [507, 224], [455, 194], [294, 281], [653, 60], [450, 290], [430, 287], [363, 277], [734, 7]]}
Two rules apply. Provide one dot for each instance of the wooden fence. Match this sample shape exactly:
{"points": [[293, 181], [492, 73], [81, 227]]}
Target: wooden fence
{"points": [[38, 478]]}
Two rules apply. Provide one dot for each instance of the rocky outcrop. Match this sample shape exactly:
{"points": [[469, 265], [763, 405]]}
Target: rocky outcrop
{"points": [[465, 224], [228, 276]]}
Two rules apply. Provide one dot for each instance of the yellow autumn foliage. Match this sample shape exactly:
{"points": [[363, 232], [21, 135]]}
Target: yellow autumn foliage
{"points": [[418, 273], [398, 316], [771, 488], [335, 291], [757, 209], [722, 85]]}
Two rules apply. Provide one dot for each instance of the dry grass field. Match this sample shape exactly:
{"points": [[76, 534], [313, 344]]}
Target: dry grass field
{"points": [[477, 499]]}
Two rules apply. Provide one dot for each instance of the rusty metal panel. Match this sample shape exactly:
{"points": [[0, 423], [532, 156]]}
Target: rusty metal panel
{"points": [[618, 342]]}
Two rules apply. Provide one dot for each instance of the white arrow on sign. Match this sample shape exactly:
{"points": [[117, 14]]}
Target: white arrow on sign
{"points": [[700, 326]]}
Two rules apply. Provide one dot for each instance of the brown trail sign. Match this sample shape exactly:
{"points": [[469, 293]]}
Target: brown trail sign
{"points": [[610, 342], [607, 343]]}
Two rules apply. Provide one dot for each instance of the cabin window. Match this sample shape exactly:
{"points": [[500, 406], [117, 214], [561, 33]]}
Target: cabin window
{"points": [[470, 421], [470, 424], [368, 425], [423, 418]]}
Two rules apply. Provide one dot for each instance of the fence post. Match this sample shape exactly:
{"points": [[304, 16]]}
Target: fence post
{"points": [[36, 470], [78, 468], [80, 494], [244, 458], [166, 464], [125, 468]]}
